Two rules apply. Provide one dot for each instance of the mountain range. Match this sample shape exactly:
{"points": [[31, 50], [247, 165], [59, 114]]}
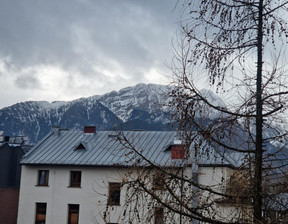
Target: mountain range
{"points": [[143, 106], [138, 107]]}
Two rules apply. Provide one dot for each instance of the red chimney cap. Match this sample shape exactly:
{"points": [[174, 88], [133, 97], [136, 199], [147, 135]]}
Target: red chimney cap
{"points": [[89, 129]]}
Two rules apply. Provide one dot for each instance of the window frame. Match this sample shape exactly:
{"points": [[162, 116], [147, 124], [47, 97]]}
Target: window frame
{"points": [[78, 177], [39, 211], [45, 179], [114, 195], [71, 210]]}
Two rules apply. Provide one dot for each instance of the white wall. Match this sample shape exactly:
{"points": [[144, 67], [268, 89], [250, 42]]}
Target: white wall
{"points": [[91, 196], [214, 176], [217, 178]]}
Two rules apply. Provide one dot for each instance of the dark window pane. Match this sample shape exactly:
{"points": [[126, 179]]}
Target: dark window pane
{"points": [[43, 177], [40, 213], [75, 179], [159, 181], [114, 194], [159, 216], [73, 214]]}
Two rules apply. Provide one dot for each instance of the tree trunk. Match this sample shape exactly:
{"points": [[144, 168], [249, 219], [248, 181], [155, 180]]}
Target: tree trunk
{"points": [[259, 122]]}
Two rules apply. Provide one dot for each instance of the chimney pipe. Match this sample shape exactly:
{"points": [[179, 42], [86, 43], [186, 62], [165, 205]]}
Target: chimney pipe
{"points": [[56, 129], [90, 129], [6, 138]]}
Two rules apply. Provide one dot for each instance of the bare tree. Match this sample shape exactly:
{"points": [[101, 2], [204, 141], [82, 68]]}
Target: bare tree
{"points": [[236, 48], [239, 46]]}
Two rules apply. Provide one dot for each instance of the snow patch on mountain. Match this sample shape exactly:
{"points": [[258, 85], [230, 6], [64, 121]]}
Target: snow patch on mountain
{"points": [[206, 110], [212, 98], [144, 97]]}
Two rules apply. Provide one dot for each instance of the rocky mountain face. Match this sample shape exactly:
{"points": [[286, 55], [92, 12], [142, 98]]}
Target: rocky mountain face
{"points": [[138, 107], [143, 106]]}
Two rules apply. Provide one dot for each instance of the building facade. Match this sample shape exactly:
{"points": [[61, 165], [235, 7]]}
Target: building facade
{"points": [[79, 177], [11, 151]]}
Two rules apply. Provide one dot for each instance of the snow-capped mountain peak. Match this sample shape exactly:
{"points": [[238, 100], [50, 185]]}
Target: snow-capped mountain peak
{"points": [[142, 96], [136, 107], [35, 118]]}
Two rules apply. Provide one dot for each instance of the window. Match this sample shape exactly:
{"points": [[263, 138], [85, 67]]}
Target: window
{"points": [[43, 177], [159, 216], [75, 179], [114, 194], [40, 213], [159, 181], [73, 214]]}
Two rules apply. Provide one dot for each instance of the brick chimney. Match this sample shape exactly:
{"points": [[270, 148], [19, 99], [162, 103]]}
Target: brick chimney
{"points": [[90, 129], [177, 152]]}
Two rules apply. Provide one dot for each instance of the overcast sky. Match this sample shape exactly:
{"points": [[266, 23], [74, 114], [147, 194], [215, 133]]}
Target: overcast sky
{"points": [[63, 50]]}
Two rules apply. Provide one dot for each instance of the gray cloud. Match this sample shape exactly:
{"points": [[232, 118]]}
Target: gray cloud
{"points": [[26, 81], [87, 39]]}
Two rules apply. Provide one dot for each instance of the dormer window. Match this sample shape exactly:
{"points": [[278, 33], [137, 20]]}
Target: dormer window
{"points": [[81, 146]]}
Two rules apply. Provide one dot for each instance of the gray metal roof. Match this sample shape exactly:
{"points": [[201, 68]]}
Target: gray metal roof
{"points": [[109, 148]]}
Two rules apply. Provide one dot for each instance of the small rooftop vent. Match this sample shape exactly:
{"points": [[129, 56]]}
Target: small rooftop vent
{"points": [[90, 129], [56, 129], [81, 146]]}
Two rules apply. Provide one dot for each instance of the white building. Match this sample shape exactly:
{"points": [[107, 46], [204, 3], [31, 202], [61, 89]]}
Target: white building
{"points": [[76, 177]]}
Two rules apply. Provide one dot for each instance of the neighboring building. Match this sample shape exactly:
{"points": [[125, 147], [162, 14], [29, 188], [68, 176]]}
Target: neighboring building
{"points": [[76, 177], [8, 205], [11, 151]]}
